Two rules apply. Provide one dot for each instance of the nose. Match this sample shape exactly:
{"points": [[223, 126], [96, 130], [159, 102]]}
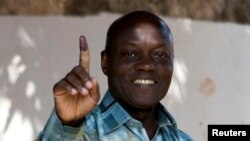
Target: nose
{"points": [[145, 64]]}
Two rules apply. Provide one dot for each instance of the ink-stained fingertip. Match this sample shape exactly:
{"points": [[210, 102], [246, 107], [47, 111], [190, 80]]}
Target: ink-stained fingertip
{"points": [[83, 43]]}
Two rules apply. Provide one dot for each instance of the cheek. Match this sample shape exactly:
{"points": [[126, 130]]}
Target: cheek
{"points": [[118, 74], [122, 68], [166, 69], [166, 75]]}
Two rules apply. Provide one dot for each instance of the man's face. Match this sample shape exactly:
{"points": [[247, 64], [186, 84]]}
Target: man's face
{"points": [[140, 65]]}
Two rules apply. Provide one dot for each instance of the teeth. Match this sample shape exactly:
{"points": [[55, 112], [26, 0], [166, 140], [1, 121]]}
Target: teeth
{"points": [[143, 81]]}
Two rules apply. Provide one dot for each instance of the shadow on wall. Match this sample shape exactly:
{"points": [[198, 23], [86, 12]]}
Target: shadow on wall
{"points": [[22, 104]]}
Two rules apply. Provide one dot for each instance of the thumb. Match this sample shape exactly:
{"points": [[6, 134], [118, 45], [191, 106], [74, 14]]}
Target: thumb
{"points": [[84, 53]]}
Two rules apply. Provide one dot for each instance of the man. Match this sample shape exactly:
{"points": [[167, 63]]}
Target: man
{"points": [[138, 62]]}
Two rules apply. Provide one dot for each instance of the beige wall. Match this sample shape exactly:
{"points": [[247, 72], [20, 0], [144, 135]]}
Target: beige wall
{"points": [[210, 83]]}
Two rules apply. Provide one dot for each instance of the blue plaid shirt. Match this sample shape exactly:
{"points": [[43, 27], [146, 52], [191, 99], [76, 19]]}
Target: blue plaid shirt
{"points": [[110, 122]]}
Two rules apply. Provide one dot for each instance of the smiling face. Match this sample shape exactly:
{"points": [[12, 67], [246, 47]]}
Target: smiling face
{"points": [[140, 65]]}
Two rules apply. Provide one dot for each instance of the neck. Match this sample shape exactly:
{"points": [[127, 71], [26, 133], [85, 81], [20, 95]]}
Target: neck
{"points": [[142, 114]]}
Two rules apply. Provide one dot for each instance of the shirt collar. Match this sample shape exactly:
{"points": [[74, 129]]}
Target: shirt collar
{"points": [[114, 115], [165, 118]]}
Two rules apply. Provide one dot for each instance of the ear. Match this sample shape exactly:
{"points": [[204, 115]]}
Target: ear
{"points": [[104, 62]]}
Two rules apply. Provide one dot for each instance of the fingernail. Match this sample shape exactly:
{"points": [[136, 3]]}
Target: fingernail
{"points": [[83, 43], [89, 84], [73, 91], [84, 91]]}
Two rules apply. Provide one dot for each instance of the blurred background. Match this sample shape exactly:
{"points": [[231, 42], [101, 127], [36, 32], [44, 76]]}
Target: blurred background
{"points": [[39, 46]]}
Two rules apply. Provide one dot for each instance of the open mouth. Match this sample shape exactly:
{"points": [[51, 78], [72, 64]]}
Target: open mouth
{"points": [[144, 81]]}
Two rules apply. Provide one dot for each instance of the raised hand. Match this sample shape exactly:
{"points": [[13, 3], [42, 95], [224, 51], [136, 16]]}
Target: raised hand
{"points": [[77, 94]]}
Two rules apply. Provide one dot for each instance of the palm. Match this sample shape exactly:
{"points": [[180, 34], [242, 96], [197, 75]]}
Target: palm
{"points": [[72, 108]]}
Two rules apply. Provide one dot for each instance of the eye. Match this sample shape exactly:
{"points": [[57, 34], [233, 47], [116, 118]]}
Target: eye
{"points": [[129, 54], [161, 56]]}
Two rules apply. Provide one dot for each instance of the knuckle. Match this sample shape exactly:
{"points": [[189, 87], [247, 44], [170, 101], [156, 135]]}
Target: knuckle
{"points": [[74, 80], [69, 76], [55, 87], [85, 79], [87, 59], [77, 69], [58, 85]]}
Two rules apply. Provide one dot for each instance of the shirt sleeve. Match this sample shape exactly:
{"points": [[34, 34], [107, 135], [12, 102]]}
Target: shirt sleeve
{"points": [[54, 130]]}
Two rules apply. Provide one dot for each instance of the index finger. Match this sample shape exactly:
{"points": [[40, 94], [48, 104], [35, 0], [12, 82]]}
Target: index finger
{"points": [[84, 53]]}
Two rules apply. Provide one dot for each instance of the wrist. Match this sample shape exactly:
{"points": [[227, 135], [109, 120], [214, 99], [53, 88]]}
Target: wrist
{"points": [[74, 123]]}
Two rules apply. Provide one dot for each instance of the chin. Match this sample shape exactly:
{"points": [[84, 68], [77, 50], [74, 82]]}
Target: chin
{"points": [[142, 104]]}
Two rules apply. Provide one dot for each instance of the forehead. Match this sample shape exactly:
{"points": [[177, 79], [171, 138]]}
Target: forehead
{"points": [[144, 28], [143, 31]]}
